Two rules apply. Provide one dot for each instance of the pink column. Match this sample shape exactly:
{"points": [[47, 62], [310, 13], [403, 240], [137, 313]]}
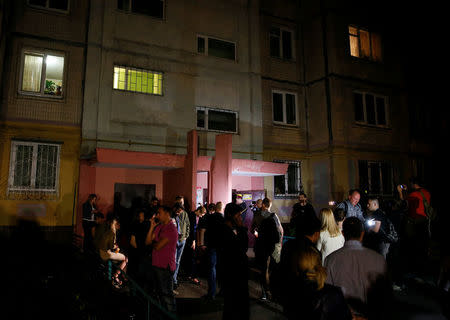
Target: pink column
{"points": [[190, 168], [221, 169]]}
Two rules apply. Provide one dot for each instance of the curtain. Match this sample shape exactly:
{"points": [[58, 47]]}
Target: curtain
{"points": [[32, 73]]}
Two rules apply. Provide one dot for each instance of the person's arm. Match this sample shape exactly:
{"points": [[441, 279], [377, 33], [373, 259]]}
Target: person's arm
{"points": [[160, 243], [319, 244], [150, 234], [133, 241], [188, 223]]}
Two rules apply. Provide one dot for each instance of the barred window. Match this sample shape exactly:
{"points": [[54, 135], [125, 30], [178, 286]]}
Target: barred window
{"points": [[138, 80], [289, 184], [34, 166]]}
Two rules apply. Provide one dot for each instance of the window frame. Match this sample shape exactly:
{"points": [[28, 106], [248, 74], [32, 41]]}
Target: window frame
{"points": [[142, 70], [379, 164], [358, 37], [284, 122], [12, 163], [293, 51], [47, 3], [206, 39], [44, 54], [206, 128], [130, 11], [298, 164], [375, 96]]}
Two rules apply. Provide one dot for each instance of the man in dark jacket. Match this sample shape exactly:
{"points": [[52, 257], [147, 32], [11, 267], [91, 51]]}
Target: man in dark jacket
{"points": [[268, 237], [301, 209]]}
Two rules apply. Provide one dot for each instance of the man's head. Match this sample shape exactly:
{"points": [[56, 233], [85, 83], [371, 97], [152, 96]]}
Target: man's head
{"points": [[219, 207], [141, 216], [258, 203], [354, 196], [180, 200], [211, 208], [302, 199], [178, 208], [238, 198], [266, 204], [373, 204], [353, 229], [233, 214], [200, 211], [92, 198], [154, 202], [309, 226], [163, 214], [339, 215], [416, 183]]}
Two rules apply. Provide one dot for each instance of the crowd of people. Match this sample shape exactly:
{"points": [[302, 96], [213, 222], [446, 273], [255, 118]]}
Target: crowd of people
{"points": [[337, 263]]}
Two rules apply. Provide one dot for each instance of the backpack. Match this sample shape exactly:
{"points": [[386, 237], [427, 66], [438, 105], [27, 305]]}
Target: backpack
{"points": [[429, 210]]}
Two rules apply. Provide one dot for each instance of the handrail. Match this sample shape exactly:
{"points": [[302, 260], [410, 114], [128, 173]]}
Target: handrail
{"points": [[133, 285]]}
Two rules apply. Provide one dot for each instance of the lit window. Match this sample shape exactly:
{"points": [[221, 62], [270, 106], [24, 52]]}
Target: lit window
{"points": [[289, 184], [42, 74], [281, 43], [153, 8], [375, 177], [217, 120], [60, 5], [34, 166], [370, 108], [137, 80], [284, 106], [364, 44], [216, 47]]}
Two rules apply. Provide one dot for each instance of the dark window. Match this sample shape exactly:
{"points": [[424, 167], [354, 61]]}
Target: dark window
{"points": [[275, 50], [287, 45], [200, 118], [370, 109], [280, 43], [277, 107], [153, 8], [290, 109], [201, 45], [375, 177], [221, 121], [381, 111], [289, 184], [359, 107], [216, 120], [221, 49]]}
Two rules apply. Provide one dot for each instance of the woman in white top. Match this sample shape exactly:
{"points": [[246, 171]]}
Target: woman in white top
{"points": [[331, 237]]}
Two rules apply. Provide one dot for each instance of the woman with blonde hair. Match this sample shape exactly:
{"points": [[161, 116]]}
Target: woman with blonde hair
{"points": [[314, 299], [331, 237]]}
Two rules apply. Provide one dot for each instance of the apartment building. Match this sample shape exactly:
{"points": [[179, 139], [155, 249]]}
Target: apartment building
{"points": [[42, 69], [172, 102]]}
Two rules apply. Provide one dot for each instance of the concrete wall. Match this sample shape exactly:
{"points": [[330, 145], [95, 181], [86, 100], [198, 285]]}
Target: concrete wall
{"points": [[160, 123]]}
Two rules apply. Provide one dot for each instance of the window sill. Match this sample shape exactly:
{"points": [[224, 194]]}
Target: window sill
{"points": [[285, 125], [372, 126], [41, 96], [31, 194], [216, 131], [49, 10], [162, 19], [287, 61]]}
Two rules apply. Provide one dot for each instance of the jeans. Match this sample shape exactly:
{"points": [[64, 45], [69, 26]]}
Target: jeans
{"points": [[212, 263], [178, 254], [162, 280]]}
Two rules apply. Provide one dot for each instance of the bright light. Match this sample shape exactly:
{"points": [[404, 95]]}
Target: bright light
{"points": [[331, 203]]}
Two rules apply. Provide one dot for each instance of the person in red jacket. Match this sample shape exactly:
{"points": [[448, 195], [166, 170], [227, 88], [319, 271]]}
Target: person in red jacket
{"points": [[416, 236]]}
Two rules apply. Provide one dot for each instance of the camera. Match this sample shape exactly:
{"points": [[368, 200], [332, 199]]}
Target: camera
{"points": [[156, 220], [370, 222]]}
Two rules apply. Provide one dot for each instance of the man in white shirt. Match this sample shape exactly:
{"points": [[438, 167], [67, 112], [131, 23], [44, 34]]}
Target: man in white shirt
{"points": [[354, 268]]}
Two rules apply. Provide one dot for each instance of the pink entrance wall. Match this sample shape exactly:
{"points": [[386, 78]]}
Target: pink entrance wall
{"points": [[247, 183], [101, 182]]}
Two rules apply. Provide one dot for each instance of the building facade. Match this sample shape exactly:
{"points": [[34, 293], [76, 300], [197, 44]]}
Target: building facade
{"points": [[43, 46]]}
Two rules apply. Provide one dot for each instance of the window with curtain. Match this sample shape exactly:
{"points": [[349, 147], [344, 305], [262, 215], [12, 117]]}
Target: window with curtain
{"points": [[365, 44], [34, 166], [138, 80], [42, 74]]}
